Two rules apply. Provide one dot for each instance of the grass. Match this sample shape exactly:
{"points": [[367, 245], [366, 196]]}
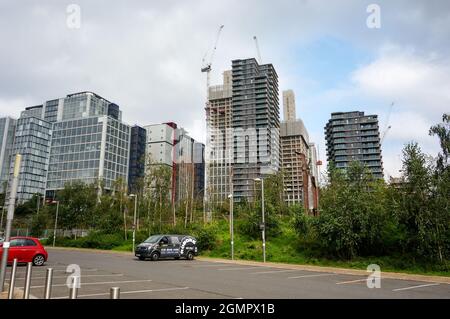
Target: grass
{"points": [[287, 248]]}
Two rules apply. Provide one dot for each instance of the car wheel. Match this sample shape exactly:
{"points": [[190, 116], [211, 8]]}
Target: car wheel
{"points": [[38, 260], [155, 256], [190, 256], [141, 258]]}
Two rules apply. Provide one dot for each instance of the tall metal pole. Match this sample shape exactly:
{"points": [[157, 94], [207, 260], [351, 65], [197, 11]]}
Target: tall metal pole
{"points": [[263, 221], [48, 283], [9, 219], [231, 226], [134, 222], [56, 223], [12, 281], [1, 221], [114, 293], [27, 286], [73, 291]]}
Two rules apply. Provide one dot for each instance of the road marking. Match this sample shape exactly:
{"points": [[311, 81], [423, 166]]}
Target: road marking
{"points": [[127, 292], [309, 276], [219, 265], [242, 268], [82, 276], [97, 283], [39, 271], [273, 271], [350, 281], [414, 287]]}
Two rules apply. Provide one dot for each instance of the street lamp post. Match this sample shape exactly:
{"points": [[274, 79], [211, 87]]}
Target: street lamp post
{"points": [[263, 218], [39, 202], [56, 221], [134, 220], [1, 221], [231, 225], [9, 220]]}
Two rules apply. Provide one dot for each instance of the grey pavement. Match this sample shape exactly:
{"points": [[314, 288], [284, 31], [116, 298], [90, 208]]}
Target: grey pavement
{"points": [[182, 279]]}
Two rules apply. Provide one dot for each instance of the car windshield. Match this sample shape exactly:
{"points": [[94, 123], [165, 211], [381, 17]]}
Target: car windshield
{"points": [[152, 240]]}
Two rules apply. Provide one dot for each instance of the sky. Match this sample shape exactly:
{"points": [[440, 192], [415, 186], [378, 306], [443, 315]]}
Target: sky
{"points": [[146, 56]]}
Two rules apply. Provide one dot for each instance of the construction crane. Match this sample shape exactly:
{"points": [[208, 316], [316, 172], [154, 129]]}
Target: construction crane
{"points": [[257, 49], [384, 134], [208, 63], [387, 126]]}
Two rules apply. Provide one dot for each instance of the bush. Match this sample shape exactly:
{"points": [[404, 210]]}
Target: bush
{"points": [[206, 236], [251, 225]]}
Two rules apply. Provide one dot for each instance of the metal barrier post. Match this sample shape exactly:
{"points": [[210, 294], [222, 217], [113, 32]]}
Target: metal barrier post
{"points": [[73, 293], [48, 283], [114, 293], [26, 289], [12, 281]]}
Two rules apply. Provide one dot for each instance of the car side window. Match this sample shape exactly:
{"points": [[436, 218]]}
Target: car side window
{"points": [[164, 241], [29, 242], [17, 243], [174, 240]]}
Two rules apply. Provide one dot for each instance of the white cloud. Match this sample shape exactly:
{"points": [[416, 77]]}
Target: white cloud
{"points": [[146, 56], [412, 81]]}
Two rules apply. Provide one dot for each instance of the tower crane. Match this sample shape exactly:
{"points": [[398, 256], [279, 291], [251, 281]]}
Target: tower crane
{"points": [[387, 127], [257, 48], [208, 63]]}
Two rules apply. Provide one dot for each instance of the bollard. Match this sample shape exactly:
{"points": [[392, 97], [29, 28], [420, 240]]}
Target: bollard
{"points": [[73, 292], [114, 293], [26, 289], [48, 283], [12, 281]]}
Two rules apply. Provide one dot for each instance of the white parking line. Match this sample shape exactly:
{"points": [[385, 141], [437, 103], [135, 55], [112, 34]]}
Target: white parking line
{"points": [[39, 271], [82, 276], [218, 265], [350, 281], [414, 287], [127, 292], [242, 268], [274, 271], [97, 283], [309, 276]]}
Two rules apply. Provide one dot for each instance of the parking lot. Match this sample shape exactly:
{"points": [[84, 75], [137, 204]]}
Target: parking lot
{"points": [[181, 279]]}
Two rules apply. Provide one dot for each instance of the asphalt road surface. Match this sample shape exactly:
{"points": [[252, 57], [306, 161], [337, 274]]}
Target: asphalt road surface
{"points": [[182, 279]]}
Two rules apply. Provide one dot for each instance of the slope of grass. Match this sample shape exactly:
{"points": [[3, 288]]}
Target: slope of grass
{"points": [[287, 248]]}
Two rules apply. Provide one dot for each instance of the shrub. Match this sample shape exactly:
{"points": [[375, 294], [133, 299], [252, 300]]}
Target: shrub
{"points": [[206, 236]]}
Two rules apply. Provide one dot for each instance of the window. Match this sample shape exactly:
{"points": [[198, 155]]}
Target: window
{"points": [[174, 240], [29, 242], [17, 242]]}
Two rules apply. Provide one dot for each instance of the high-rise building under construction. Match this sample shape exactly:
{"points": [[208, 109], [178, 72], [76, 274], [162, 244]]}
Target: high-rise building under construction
{"points": [[219, 150]]}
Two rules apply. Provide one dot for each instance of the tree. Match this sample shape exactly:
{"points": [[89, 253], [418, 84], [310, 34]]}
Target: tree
{"points": [[77, 202], [353, 212], [274, 193], [40, 222], [158, 188], [424, 204], [443, 133]]}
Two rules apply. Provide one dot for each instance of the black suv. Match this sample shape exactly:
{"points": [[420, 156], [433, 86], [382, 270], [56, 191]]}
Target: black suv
{"points": [[167, 246]]}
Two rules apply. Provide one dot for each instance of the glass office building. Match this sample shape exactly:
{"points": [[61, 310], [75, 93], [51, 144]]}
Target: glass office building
{"points": [[7, 128], [136, 170], [32, 141], [91, 150]]}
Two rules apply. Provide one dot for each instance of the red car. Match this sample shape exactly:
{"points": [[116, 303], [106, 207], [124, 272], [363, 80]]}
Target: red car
{"points": [[26, 249]]}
